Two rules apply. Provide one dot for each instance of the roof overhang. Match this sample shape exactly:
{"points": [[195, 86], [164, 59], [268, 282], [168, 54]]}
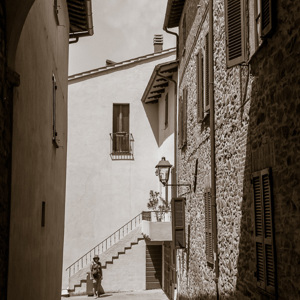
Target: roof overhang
{"points": [[157, 84], [80, 18], [173, 13]]}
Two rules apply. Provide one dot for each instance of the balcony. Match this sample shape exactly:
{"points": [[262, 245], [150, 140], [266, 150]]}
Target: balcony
{"points": [[156, 226], [121, 146]]}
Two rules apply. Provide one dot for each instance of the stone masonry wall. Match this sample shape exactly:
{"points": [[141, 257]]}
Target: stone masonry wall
{"points": [[256, 126], [196, 278], [274, 137]]}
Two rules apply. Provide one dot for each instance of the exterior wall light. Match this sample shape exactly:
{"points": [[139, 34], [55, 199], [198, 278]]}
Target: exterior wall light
{"points": [[163, 172]]}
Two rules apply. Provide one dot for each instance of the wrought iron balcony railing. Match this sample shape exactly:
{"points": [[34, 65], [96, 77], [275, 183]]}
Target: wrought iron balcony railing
{"points": [[121, 146]]}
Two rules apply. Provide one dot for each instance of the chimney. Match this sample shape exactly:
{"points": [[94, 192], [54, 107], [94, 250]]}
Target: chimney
{"points": [[158, 41]]}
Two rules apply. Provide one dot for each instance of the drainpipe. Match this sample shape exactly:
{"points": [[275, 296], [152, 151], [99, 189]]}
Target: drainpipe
{"points": [[175, 121], [177, 39], [212, 143]]}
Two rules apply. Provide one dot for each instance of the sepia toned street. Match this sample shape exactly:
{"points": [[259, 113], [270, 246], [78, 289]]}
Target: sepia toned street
{"points": [[150, 149]]}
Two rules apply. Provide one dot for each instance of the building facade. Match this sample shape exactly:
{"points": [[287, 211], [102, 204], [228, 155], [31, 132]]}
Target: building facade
{"points": [[238, 126], [34, 68], [114, 144]]}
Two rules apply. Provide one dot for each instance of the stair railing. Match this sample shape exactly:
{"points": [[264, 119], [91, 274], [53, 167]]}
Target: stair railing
{"points": [[114, 238], [104, 245]]}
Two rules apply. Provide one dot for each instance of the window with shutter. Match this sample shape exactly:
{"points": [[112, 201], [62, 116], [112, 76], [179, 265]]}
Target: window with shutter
{"points": [[208, 227], [180, 123], [121, 128], [264, 238], [235, 32], [178, 222], [200, 86], [184, 123], [266, 17], [166, 111], [206, 89]]}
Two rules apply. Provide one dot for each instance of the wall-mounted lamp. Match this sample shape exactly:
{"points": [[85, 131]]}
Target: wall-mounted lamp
{"points": [[163, 172]]}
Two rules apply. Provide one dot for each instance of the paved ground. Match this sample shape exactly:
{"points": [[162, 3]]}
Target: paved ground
{"points": [[143, 295]]}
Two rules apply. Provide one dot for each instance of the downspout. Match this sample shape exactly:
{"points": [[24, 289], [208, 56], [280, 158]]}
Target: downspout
{"points": [[175, 121], [175, 106], [177, 39], [213, 147]]}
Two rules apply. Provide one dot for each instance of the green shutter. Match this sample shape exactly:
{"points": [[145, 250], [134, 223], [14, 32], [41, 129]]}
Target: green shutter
{"points": [[266, 17], [264, 237], [200, 86], [235, 32], [178, 222], [208, 227]]}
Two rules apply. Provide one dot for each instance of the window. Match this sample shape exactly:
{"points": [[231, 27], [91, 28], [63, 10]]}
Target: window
{"points": [[184, 30], [208, 227], [206, 88], [267, 17], [264, 20], [178, 222], [166, 111], [182, 123], [200, 87], [264, 238], [121, 136], [235, 32]]}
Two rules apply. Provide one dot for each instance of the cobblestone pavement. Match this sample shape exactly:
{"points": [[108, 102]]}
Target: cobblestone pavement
{"points": [[143, 295]]}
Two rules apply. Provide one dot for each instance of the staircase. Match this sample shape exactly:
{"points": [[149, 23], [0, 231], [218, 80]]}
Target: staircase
{"points": [[122, 256], [109, 250]]}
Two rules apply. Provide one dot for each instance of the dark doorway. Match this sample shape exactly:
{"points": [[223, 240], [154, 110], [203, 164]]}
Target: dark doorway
{"points": [[153, 267]]}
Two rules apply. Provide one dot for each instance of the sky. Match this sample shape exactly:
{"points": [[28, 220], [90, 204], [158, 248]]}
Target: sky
{"points": [[123, 29]]}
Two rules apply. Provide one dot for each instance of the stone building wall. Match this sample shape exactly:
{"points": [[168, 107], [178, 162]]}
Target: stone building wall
{"points": [[256, 126], [274, 137]]}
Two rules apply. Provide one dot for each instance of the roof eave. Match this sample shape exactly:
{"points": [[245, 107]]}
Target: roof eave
{"points": [[155, 76], [173, 13]]}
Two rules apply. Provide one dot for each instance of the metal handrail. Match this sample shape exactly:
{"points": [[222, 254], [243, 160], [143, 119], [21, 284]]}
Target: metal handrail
{"points": [[104, 245], [117, 235]]}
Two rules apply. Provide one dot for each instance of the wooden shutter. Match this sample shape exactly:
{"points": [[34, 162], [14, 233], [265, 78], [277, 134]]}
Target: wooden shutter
{"points": [[166, 111], [178, 222], [235, 32], [208, 227], [180, 123], [121, 127], [200, 86], [184, 123], [266, 17], [206, 100], [264, 238]]}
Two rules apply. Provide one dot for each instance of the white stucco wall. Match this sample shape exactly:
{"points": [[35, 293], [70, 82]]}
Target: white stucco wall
{"points": [[102, 194], [38, 168]]}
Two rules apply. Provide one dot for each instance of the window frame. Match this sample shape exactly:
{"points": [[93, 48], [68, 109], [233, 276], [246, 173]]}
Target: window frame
{"points": [[166, 111], [124, 132], [181, 227], [232, 36], [264, 231], [209, 239], [200, 86]]}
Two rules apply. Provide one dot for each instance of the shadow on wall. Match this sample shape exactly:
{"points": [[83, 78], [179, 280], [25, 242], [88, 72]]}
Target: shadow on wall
{"points": [[272, 143], [152, 112]]}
